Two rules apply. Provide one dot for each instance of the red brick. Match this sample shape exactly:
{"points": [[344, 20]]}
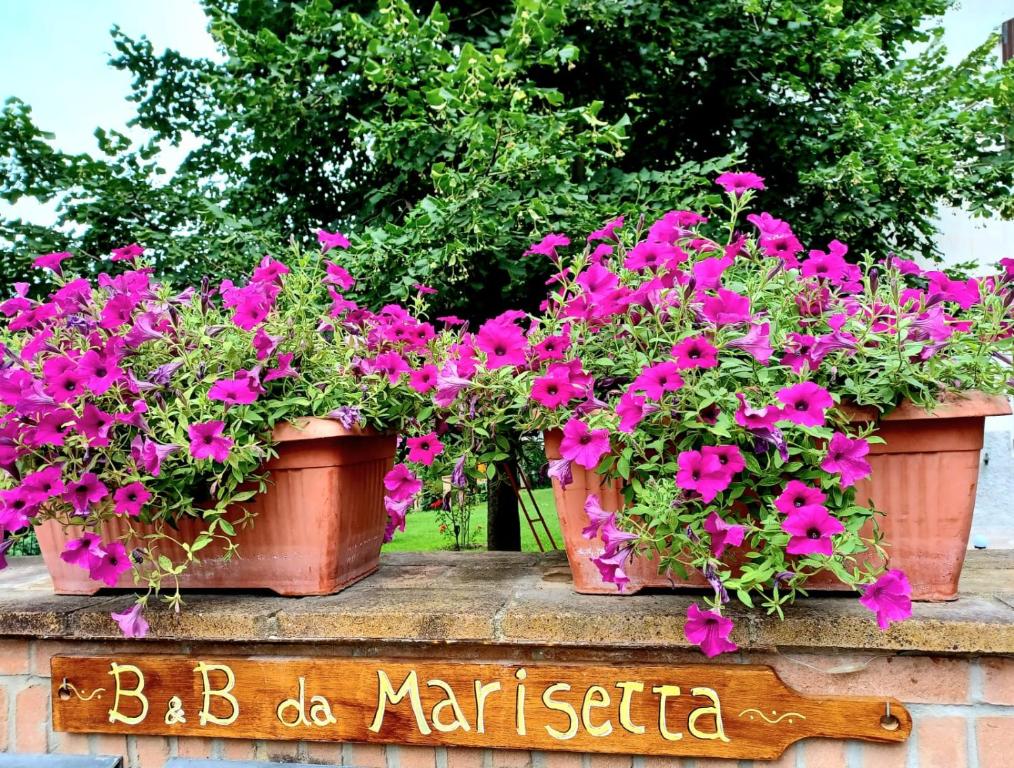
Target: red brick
{"points": [[884, 755], [511, 758], [670, 762], [561, 760], [284, 751], [366, 756], [995, 737], [109, 744], [151, 751], [13, 657], [716, 762], [3, 719], [416, 757], [787, 759], [238, 749], [465, 757], [824, 753], [997, 680], [193, 746], [913, 679], [32, 710], [324, 752], [70, 743], [611, 761], [941, 742]]}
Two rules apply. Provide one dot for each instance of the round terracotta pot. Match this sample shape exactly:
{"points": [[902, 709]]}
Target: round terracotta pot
{"points": [[318, 528], [924, 480]]}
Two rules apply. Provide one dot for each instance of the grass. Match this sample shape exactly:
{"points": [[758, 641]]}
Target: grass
{"points": [[422, 532]]}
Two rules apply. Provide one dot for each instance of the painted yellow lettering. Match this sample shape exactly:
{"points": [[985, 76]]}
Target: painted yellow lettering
{"points": [[450, 702], [560, 706], [386, 693], [664, 692], [715, 709], [481, 693], [320, 712], [519, 708], [294, 704], [595, 698], [115, 716], [220, 693], [629, 688]]}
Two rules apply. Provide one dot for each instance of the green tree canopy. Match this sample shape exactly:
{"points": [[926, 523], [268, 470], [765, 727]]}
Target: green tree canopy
{"points": [[446, 138]]}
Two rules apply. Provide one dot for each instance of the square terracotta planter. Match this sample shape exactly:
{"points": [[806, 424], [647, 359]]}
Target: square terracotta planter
{"points": [[318, 528], [924, 479]]}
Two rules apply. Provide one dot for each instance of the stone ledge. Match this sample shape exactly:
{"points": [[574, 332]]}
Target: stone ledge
{"points": [[508, 599]]}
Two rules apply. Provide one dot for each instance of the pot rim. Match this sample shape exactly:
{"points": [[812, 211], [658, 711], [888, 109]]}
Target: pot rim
{"points": [[316, 428]]}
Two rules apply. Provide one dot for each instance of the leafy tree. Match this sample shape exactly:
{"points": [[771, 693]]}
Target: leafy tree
{"points": [[447, 138]]}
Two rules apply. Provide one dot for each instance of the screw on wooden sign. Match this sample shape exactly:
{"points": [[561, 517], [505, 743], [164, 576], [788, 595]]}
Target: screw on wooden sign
{"points": [[702, 710]]}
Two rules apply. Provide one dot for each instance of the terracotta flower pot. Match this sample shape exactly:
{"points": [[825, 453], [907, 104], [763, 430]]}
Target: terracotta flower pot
{"points": [[924, 479], [319, 526]]}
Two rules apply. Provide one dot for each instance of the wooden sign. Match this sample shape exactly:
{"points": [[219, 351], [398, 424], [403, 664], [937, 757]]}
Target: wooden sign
{"points": [[734, 711]]}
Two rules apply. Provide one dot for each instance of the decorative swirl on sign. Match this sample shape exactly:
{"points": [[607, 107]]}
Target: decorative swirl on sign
{"points": [[777, 720], [66, 688]]}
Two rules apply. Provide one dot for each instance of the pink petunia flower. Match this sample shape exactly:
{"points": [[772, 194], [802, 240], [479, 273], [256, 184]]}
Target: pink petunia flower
{"points": [[608, 232], [113, 563], [208, 442], [729, 457], [703, 474], [727, 308], [131, 621], [149, 455], [632, 409], [329, 240], [52, 261], [889, 597], [810, 530], [264, 344], [548, 245], [847, 458], [424, 379], [582, 445], [805, 403], [100, 369], [423, 450], [130, 499], [723, 534], [94, 424], [16, 506], [652, 255], [708, 272], [240, 390], [597, 517], [658, 379], [83, 551], [552, 347], [283, 370], [503, 344], [127, 252], [84, 492], [738, 183], [799, 497], [709, 630], [553, 391], [43, 484], [695, 352], [401, 484], [610, 565]]}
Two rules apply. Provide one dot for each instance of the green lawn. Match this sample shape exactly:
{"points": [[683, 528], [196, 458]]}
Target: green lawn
{"points": [[421, 532]]}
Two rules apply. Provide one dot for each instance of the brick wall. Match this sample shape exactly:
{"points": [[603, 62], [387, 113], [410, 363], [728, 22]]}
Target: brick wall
{"points": [[963, 710]]}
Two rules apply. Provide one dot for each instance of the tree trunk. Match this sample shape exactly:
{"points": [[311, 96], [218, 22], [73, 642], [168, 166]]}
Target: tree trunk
{"points": [[503, 529]]}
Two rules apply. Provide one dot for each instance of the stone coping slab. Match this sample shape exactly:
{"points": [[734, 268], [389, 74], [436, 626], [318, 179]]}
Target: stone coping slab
{"points": [[511, 599]]}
